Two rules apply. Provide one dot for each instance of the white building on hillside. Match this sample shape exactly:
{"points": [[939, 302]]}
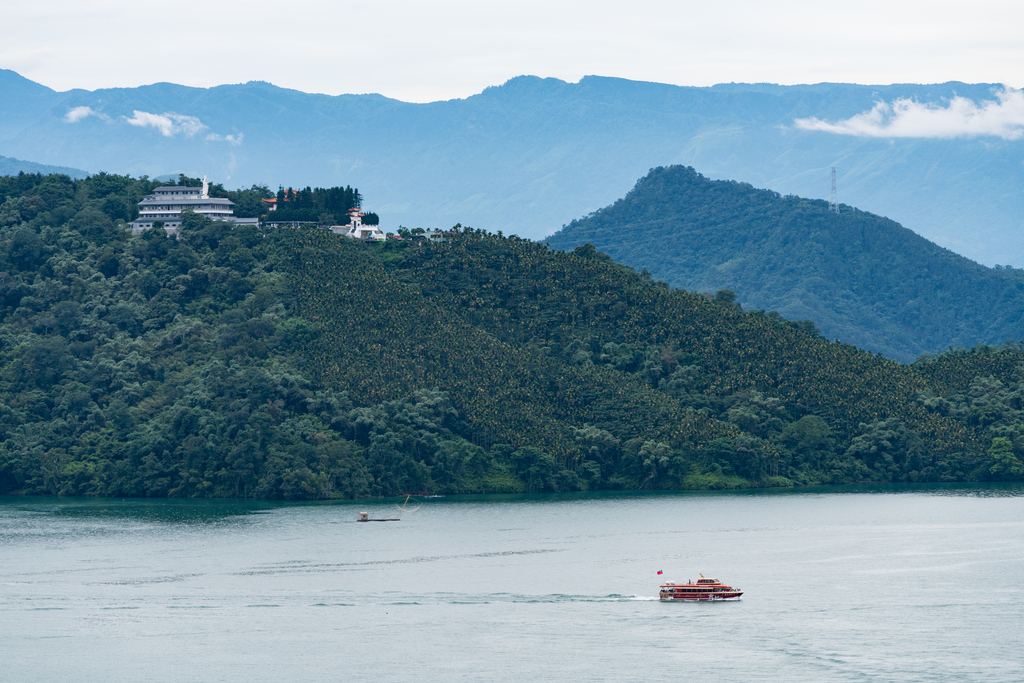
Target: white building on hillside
{"points": [[167, 202], [356, 230]]}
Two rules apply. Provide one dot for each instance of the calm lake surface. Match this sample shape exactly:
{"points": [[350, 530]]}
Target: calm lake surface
{"points": [[886, 583]]}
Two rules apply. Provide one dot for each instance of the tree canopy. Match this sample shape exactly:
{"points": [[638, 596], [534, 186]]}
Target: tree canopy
{"points": [[294, 363], [860, 277]]}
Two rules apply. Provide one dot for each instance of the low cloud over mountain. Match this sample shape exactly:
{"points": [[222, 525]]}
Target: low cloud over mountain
{"points": [[76, 114], [167, 123], [909, 118]]}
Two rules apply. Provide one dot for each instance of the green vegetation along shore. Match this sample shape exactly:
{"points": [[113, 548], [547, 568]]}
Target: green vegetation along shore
{"points": [[297, 364]]}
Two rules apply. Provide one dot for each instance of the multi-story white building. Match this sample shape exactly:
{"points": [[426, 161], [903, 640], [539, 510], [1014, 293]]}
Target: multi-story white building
{"points": [[167, 202]]}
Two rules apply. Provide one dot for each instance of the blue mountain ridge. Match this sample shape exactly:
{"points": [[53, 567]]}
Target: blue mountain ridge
{"points": [[9, 166], [528, 156]]}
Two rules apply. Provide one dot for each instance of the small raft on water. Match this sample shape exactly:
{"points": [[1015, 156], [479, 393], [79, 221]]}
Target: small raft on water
{"points": [[365, 516]]}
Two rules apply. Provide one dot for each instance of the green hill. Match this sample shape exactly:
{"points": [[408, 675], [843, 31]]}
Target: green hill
{"points": [[860, 277], [300, 364]]}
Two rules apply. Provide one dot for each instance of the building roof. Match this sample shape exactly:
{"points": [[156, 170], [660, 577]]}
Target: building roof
{"points": [[164, 189]]}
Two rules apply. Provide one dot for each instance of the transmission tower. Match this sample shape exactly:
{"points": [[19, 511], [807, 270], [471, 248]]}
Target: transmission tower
{"points": [[833, 203]]}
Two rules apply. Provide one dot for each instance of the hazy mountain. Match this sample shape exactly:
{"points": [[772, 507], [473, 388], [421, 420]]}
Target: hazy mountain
{"points": [[860, 277], [9, 166], [530, 155]]}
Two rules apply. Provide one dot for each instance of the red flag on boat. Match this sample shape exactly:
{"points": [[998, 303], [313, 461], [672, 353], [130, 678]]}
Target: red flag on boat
{"points": [[660, 572]]}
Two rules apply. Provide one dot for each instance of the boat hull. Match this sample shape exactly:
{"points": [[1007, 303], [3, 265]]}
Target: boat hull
{"points": [[707, 597]]}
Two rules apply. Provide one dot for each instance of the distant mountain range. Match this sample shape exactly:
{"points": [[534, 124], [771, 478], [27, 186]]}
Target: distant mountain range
{"points": [[9, 166], [528, 156], [861, 278]]}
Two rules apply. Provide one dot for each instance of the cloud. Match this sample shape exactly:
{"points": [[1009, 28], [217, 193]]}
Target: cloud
{"points": [[167, 123], [78, 113], [233, 139], [904, 118]]}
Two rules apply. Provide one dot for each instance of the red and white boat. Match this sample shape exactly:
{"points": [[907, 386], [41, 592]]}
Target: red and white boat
{"points": [[702, 589]]}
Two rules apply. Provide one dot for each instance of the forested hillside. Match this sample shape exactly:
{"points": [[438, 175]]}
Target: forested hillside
{"points": [[861, 278], [299, 364]]}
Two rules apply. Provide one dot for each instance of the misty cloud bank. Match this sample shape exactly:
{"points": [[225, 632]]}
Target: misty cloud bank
{"points": [[167, 124], [906, 118], [78, 113]]}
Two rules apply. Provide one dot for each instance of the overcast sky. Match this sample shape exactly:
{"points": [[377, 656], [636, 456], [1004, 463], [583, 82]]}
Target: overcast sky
{"points": [[441, 49]]}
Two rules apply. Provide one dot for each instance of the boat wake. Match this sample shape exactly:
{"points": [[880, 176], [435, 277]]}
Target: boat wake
{"points": [[540, 599], [558, 597], [398, 598]]}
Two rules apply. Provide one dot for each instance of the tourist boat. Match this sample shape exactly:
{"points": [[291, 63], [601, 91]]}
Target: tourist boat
{"points": [[702, 589]]}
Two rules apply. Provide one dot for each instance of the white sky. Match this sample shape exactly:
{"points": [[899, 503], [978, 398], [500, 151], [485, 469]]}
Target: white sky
{"points": [[442, 49]]}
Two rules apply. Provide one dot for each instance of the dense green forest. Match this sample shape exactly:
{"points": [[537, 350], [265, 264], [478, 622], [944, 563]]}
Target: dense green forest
{"points": [[860, 277], [324, 206], [294, 363]]}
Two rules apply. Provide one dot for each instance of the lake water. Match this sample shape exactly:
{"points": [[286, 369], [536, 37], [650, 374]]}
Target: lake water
{"points": [[862, 584]]}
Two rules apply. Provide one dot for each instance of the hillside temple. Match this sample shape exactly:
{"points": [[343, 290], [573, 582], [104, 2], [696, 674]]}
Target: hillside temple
{"points": [[356, 229], [167, 202]]}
